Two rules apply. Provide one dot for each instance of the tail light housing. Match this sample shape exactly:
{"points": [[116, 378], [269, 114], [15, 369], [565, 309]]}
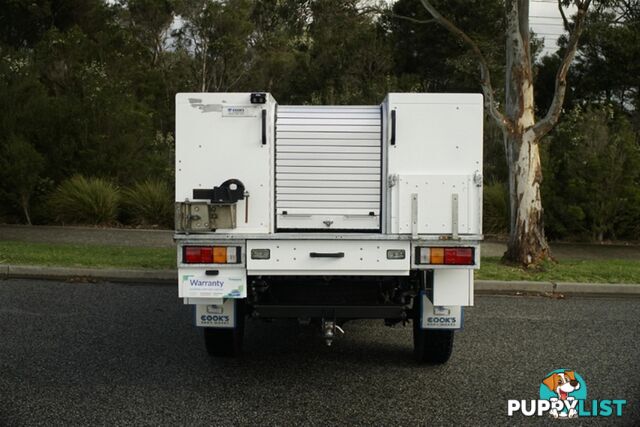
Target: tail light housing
{"points": [[211, 254], [445, 256]]}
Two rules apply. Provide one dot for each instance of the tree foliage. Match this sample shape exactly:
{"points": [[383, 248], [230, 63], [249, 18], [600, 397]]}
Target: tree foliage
{"points": [[87, 87], [430, 60], [20, 169], [595, 161]]}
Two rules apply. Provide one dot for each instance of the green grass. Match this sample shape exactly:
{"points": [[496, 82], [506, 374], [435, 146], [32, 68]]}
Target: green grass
{"points": [[68, 255], [595, 271]]}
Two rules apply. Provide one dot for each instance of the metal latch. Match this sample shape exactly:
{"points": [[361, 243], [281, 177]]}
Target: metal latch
{"points": [[477, 179]]}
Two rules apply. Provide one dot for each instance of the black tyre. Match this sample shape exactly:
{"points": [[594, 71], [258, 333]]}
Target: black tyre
{"points": [[431, 345], [226, 342]]}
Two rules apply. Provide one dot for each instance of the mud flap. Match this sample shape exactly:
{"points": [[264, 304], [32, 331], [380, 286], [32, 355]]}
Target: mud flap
{"points": [[438, 316], [217, 316]]}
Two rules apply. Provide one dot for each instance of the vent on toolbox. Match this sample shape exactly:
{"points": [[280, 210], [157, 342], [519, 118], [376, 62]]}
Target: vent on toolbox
{"points": [[328, 167]]}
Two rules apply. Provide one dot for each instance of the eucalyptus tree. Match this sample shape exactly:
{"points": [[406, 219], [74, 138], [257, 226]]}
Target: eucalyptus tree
{"points": [[515, 115]]}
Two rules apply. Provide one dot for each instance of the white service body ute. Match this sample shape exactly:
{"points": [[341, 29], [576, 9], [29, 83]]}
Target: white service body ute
{"points": [[329, 213]]}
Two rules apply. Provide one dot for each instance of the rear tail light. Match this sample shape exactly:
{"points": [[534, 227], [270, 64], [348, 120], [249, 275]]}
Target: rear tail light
{"points": [[198, 255], [445, 256], [437, 256], [219, 255], [458, 256], [211, 254]]}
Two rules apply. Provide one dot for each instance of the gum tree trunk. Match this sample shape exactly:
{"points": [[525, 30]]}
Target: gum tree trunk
{"points": [[527, 242], [522, 132], [24, 202]]}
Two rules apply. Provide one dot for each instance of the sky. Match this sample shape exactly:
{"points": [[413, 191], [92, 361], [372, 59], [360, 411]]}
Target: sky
{"points": [[546, 21]]}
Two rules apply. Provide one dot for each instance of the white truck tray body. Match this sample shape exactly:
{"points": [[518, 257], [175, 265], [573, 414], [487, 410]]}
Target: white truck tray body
{"points": [[356, 181]]}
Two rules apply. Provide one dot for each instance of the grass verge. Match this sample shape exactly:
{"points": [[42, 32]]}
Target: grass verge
{"points": [[68, 255], [581, 271]]}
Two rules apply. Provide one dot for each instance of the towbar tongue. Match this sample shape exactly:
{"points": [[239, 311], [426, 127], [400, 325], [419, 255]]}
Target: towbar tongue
{"points": [[329, 329]]}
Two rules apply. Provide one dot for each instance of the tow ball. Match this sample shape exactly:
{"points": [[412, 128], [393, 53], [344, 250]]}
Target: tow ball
{"points": [[329, 328]]}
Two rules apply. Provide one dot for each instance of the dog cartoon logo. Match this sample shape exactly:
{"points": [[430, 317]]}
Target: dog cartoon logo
{"points": [[563, 388], [563, 395]]}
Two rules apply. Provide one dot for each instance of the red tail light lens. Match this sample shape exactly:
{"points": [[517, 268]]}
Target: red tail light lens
{"points": [[211, 255], [445, 256], [198, 255], [458, 256]]}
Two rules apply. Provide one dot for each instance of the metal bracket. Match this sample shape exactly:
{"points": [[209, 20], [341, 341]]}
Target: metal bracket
{"points": [[454, 215], [201, 217], [414, 215], [392, 180]]}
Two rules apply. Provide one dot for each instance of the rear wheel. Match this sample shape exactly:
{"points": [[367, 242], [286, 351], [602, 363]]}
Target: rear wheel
{"points": [[226, 342], [431, 345]]}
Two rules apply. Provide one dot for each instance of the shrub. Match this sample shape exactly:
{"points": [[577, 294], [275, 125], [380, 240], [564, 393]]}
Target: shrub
{"points": [[495, 215], [149, 203], [81, 200]]}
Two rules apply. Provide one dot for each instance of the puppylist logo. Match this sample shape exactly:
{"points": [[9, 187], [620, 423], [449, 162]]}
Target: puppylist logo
{"points": [[563, 395]]}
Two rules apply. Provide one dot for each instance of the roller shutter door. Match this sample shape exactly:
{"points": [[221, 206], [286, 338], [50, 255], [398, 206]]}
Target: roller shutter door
{"points": [[328, 168]]}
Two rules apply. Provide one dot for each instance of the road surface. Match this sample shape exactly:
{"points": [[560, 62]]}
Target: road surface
{"points": [[84, 353]]}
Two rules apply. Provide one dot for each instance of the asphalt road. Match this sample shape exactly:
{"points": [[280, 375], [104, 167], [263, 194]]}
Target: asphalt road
{"points": [[109, 354]]}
